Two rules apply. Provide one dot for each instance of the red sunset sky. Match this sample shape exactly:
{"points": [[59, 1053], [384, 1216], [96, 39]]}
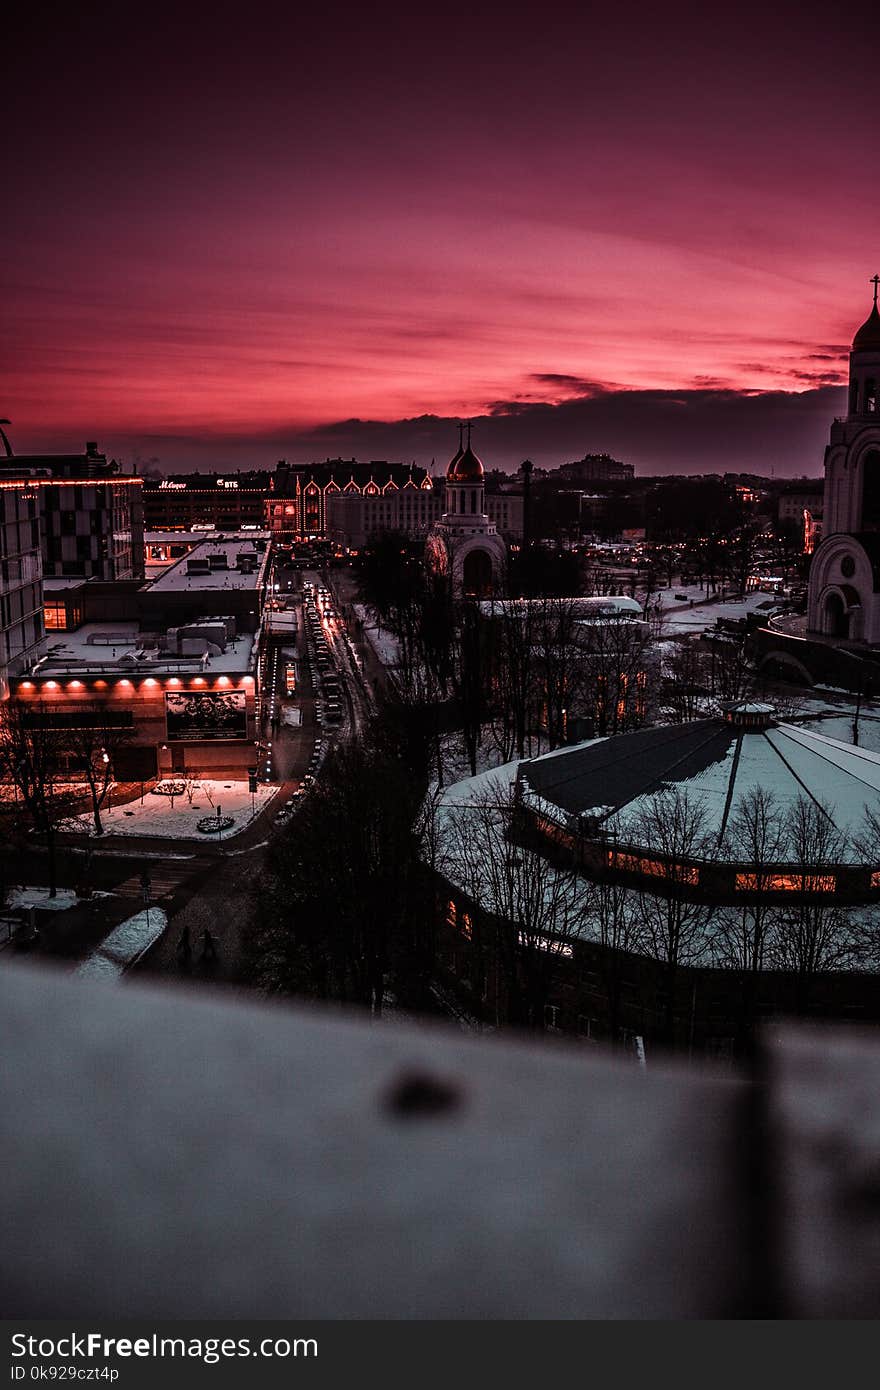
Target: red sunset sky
{"points": [[239, 232]]}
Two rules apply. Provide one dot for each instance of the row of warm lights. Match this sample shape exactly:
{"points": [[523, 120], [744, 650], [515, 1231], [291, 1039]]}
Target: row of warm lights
{"points": [[148, 681], [114, 479], [268, 772]]}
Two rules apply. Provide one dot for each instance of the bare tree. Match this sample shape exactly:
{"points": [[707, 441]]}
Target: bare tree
{"points": [[344, 902], [730, 676], [655, 616], [813, 933], [755, 841], [686, 683], [512, 675], [533, 905], [32, 755], [617, 662], [617, 928], [673, 924], [470, 677], [559, 662], [741, 552], [94, 744], [866, 921]]}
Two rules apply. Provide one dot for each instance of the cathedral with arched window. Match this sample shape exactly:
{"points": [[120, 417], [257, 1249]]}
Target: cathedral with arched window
{"points": [[465, 543], [844, 592]]}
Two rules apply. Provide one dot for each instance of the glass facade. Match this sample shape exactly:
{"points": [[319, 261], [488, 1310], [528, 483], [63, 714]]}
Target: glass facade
{"points": [[21, 581]]}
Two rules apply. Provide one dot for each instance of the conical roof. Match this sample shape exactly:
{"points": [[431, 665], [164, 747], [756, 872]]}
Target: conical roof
{"points": [[868, 336], [717, 762], [465, 467]]}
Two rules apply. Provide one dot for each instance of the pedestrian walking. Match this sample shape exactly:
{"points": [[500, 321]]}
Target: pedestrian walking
{"points": [[184, 949], [209, 946]]}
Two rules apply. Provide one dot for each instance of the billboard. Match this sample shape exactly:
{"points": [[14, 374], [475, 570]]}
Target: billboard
{"points": [[209, 715]]}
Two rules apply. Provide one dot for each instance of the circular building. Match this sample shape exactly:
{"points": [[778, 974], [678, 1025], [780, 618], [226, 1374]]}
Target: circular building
{"points": [[719, 809]]}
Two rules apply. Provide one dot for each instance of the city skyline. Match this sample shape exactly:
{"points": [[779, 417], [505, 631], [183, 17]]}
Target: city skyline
{"points": [[649, 235]]}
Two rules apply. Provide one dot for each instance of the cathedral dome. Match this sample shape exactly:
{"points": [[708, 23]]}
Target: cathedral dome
{"points": [[465, 468], [868, 337]]}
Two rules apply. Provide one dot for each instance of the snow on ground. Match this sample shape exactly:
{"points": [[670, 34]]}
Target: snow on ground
{"points": [[30, 896], [694, 593], [156, 815], [124, 945], [9, 792], [383, 643], [681, 618]]}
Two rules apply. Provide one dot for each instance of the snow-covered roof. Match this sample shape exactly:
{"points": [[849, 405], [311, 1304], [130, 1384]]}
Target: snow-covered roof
{"points": [[849, 779], [183, 576], [122, 649], [53, 584], [718, 763]]}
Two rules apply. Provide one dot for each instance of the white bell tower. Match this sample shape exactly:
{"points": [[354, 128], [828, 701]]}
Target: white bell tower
{"points": [[464, 542], [844, 592]]}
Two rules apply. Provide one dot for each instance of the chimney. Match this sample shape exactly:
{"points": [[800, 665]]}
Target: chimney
{"points": [[527, 502]]}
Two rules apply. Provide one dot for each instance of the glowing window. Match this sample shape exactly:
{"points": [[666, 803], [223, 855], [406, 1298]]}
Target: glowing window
{"points": [[554, 832], [642, 864], [55, 615], [546, 943], [790, 883]]}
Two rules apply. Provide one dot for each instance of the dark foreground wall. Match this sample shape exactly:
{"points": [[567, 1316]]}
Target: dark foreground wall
{"points": [[169, 1155]]}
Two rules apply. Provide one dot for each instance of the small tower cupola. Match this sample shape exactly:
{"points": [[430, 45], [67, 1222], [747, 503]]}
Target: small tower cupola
{"points": [[465, 543], [750, 714], [465, 480], [864, 363]]}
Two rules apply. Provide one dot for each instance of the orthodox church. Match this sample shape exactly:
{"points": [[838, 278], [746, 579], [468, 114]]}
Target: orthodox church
{"points": [[844, 590], [464, 543]]}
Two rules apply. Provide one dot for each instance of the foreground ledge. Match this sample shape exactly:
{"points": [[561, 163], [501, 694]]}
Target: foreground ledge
{"points": [[181, 1156]]}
